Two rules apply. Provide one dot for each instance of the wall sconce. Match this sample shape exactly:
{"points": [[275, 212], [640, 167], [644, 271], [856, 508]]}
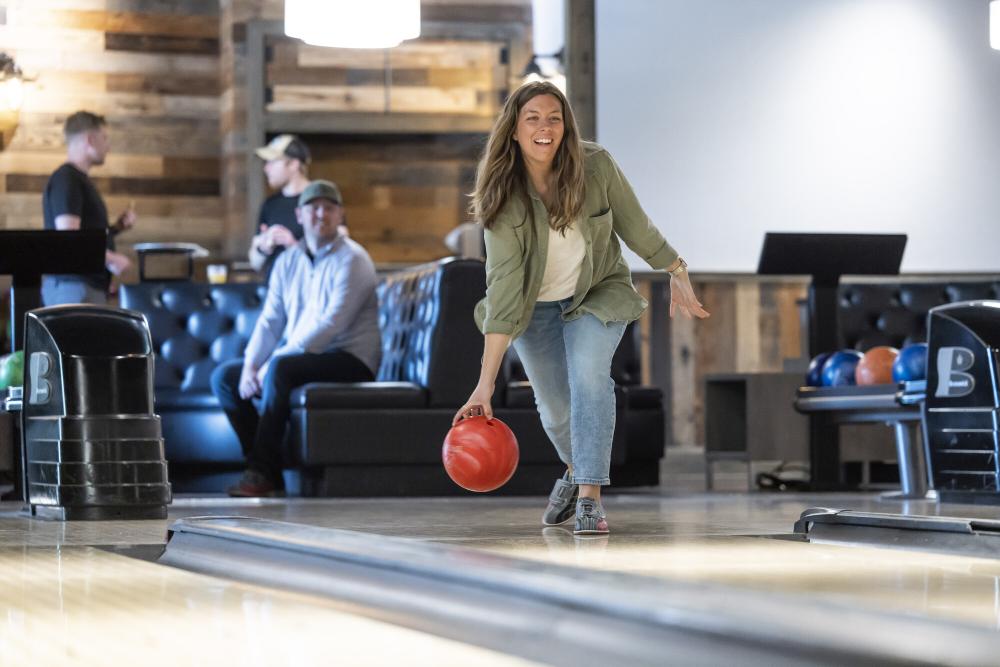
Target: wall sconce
{"points": [[553, 72], [11, 98], [353, 24], [995, 24]]}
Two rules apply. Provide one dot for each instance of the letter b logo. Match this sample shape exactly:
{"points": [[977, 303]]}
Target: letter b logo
{"points": [[952, 381], [40, 365]]}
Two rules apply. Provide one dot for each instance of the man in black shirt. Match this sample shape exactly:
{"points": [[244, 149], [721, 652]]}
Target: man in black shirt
{"points": [[71, 202], [286, 165]]}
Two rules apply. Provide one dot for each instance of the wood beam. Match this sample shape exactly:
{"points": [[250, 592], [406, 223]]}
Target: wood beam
{"points": [[581, 65]]}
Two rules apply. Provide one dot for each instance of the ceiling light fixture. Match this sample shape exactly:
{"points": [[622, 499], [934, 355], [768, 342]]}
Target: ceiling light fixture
{"points": [[353, 24], [995, 24]]}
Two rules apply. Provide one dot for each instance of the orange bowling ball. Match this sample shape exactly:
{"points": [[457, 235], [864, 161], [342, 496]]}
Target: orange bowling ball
{"points": [[480, 454], [875, 366]]}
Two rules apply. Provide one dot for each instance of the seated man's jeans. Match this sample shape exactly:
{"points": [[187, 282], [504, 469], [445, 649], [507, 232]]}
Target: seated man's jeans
{"points": [[261, 435]]}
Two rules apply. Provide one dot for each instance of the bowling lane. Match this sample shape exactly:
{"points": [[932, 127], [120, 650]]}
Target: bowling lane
{"points": [[742, 541], [84, 606], [698, 537]]}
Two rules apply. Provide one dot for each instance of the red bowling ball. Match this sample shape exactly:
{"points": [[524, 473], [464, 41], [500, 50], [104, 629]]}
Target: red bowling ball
{"points": [[480, 454]]}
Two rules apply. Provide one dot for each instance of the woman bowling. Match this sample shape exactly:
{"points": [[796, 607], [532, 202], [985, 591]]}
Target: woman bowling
{"points": [[553, 208]]}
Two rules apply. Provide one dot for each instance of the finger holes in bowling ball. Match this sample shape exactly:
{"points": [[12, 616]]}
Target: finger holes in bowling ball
{"points": [[480, 454]]}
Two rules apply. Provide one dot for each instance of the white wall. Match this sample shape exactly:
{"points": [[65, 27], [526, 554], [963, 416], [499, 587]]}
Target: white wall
{"points": [[736, 117]]}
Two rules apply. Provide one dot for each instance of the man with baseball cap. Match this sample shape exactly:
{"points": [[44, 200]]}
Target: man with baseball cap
{"points": [[286, 165], [319, 323]]}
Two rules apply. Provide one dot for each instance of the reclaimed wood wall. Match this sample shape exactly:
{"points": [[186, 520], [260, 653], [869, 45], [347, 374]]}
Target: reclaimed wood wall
{"points": [[754, 326], [170, 76], [424, 76], [403, 193], [404, 169], [152, 69]]}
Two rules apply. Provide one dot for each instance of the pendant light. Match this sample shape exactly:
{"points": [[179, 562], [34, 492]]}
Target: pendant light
{"points": [[353, 24]]}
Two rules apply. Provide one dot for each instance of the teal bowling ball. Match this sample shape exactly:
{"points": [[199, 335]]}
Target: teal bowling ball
{"points": [[12, 370], [911, 364], [838, 371]]}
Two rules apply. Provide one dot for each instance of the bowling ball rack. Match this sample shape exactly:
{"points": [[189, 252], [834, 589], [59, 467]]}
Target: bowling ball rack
{"points": [[895, 405]]}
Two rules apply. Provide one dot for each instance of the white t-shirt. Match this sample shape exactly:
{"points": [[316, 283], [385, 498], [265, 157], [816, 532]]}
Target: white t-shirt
{"points": [[562, 265]]}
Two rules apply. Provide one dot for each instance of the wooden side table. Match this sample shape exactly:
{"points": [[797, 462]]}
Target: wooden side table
{"points": [[751, 417]]}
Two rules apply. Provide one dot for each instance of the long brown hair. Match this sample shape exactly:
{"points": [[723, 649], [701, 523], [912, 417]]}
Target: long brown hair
{"points": [[501, 173]]}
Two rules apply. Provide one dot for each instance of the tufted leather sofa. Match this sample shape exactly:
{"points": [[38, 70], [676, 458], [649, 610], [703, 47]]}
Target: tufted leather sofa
{"points": [[385, 437], [376, 438], [194, 328], [894, 312]]}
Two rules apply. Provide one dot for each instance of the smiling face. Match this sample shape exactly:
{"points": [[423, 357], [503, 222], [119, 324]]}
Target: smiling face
{"points": [[540, 129], [320, 219]]}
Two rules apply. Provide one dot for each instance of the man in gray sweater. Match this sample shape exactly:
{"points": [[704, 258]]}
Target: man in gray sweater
{"points": [[319, 323]]}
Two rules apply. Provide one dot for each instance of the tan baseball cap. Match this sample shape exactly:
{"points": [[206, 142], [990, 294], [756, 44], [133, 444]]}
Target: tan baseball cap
{"points": [[321, 188], [287, 145]]}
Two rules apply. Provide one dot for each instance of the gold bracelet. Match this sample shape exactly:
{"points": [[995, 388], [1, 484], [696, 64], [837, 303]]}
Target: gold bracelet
{"points": [[681, 268]]}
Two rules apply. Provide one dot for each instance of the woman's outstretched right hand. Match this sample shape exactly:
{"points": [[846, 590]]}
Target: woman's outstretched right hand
{"points": [[478, 404]]}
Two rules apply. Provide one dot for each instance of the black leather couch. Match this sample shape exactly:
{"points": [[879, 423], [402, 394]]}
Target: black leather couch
{"points": [[894, 312], [377, 438], [195, 327]]}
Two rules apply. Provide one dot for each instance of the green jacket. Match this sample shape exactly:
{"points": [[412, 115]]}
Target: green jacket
{"points": [[516, 251]]}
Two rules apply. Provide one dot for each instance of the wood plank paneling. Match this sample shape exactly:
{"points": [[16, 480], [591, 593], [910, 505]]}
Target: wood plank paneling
{"points": [[179, 25], [152, 69], [204, 85], [148, 166], [179, 207], [409, 55], [121, 185], [403, 196], [373, 98], [144, 135], [754, 327], [123, 41]]}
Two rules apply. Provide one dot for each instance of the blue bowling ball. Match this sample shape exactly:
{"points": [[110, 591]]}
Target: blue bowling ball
{"points": [[838, 371], [911, 364], [814, 376]]}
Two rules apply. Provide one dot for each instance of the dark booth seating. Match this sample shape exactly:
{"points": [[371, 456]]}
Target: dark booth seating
{"points": [[382, 437], [894, 312], [195, 327]]}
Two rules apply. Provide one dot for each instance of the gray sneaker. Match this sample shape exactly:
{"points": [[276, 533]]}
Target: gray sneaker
{"points": [[590, 518], [562, 501]]}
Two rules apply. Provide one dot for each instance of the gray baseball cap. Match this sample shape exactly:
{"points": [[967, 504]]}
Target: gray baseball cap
{"points": [[321, 188]]}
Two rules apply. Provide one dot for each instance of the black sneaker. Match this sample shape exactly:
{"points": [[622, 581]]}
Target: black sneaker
{"points": [[562, 501], [590, 518]]}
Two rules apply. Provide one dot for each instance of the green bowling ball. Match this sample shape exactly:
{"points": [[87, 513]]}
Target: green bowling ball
{"points": [[12, 370]]}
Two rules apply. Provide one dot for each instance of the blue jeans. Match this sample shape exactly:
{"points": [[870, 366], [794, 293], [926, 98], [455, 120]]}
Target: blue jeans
{"points": [[569, 366], [261, 434], [57, 290]]}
